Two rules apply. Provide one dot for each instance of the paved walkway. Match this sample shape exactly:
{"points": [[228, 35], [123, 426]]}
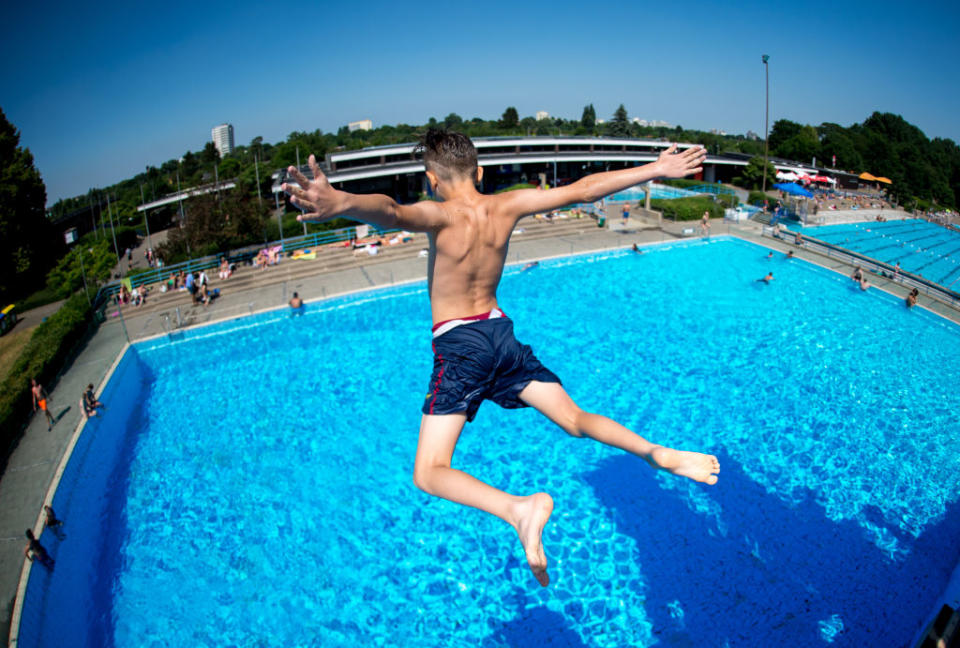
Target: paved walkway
{"points": [[24, 484]]}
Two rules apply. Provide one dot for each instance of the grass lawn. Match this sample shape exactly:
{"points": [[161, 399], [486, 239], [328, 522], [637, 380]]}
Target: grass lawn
{"points": [[10, 346]]}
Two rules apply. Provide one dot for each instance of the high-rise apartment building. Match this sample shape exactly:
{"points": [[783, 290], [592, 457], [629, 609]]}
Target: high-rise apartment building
{"points": [[223, 138]]}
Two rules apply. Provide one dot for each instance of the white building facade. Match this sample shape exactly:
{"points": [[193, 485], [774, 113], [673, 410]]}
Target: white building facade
{"points": [[222, 136]]}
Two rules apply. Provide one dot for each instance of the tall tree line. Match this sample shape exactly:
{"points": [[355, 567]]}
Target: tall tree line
{"points": [[924, 172]]}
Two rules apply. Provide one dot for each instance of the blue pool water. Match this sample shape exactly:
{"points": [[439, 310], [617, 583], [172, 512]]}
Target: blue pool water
{"points": [[922, 248], [250, 483]]}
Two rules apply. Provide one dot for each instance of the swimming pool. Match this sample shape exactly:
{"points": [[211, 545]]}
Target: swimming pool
{"points": [[923, 248], [250, 483]]}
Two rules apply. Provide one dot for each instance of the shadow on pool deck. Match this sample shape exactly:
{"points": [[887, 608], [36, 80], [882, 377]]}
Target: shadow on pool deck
{"points": [[736, 594]]}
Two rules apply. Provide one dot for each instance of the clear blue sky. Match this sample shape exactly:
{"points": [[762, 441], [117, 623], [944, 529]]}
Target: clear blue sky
{"points": [[100, 91]]}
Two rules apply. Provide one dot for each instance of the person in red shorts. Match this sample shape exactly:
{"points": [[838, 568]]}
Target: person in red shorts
{"points": [[41, 400]]}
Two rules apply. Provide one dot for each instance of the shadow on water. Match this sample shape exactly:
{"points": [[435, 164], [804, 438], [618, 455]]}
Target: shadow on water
{"points": [[536, 626], [776, 572]]}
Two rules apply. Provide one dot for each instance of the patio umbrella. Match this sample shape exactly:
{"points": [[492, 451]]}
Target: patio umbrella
{"points": [[789, 176], [866, 176], [793, 189], [886, 180]]}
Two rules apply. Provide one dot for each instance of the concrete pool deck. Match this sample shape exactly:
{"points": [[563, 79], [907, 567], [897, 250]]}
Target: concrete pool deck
{"points": [[34, 463]]}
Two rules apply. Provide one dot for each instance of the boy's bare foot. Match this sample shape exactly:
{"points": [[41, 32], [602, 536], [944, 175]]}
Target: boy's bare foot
{"points": [[533, 512], [694, 465]]}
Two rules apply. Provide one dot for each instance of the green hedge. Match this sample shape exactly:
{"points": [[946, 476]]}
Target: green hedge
{"points": [[682, 183], [688, 209], [757, 198], [522, 185], [42, 358], [728, 200]]}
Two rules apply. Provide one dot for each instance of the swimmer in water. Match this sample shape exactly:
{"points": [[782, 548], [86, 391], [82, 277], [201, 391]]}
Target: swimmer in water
{"points": [[476, 356], [766, 279], [912, 298]]}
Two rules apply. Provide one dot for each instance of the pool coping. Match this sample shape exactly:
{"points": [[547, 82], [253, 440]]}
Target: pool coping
{"points": [[757, 239]]}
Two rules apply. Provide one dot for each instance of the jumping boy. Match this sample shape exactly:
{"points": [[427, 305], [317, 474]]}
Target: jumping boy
{"points": [[476, 356]]}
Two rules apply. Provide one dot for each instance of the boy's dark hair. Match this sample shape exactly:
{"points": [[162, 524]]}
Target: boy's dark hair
{"points": [[448, 153]]}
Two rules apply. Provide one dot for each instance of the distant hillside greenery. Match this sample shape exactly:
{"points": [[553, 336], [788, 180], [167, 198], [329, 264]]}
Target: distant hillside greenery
{"points": [[924, 172], [197, 167]]}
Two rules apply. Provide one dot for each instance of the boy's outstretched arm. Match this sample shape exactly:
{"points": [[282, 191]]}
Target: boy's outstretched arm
{"points": [[321, 202], [595, 186]]}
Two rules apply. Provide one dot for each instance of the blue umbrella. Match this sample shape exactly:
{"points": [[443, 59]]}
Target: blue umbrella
{"points": [[794, 189]]}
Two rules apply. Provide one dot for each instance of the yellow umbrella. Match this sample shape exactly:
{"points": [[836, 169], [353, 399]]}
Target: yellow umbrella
{"points": [[886, 180], [867, 176]]}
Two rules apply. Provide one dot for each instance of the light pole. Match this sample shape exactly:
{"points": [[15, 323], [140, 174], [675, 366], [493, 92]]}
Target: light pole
{"points": [[83, 273], [766, 121], [146, 224], [180, 197]]}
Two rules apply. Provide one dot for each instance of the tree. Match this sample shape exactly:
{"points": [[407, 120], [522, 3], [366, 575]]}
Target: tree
{"points": [[210, 155], [619, 126], [752, 176], [802, 146], [25, 233], [510, 118], [835, 141], [783, 129], [453, 121], [229, 168], [589, 118]]}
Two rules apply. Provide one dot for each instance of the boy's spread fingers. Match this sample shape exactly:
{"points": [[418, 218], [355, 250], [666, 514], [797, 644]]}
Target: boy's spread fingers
{"points": [[312, 161], [299, 177]]}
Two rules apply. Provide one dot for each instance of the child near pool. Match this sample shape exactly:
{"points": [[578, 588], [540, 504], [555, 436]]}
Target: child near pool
{"points": [[476, 356]]}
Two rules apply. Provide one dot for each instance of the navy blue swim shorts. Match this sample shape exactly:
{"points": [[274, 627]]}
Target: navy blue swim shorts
{"points": [[479, 359]]}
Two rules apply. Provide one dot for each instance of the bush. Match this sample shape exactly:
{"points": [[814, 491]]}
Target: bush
{"points": [[522, 185], [688, 209], [682, 183], [728, 200], [67, 276], [757, 198], [42, 358]]}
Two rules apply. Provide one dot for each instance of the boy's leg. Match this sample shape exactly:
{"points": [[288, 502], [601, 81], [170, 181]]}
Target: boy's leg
{"points": [[433, 474], [552, 400]]}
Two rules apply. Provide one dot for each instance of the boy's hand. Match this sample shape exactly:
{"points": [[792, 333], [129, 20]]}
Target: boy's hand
{"points": [[317, 199], [678, 165]]}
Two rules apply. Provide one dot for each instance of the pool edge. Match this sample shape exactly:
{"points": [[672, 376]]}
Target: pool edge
{"points": [[38, 525]]}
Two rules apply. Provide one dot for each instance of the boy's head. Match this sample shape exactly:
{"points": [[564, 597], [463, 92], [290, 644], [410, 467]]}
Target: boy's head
{"points": [[449, 155]]}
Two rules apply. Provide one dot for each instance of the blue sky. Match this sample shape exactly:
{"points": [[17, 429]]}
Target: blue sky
{"points": [[100, 92]]}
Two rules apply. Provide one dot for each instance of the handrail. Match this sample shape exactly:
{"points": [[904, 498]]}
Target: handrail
{"points": [[930, 288]]}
